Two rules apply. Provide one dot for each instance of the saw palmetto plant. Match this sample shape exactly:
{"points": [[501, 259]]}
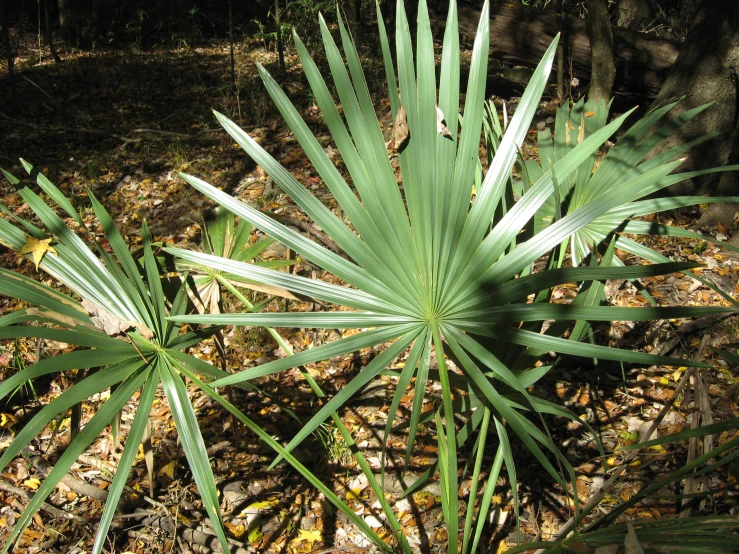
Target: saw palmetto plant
{"points": [[118, 339], [437, 271], [595, 176], [227, 238]]}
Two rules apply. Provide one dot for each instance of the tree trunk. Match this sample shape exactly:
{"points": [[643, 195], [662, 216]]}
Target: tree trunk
{"points": [[559, 8], [231, 41], [278, 36], [9, 54], [65, 19], [357, 19], [706, 71], [97, 23], [603, 62], [49, 37], [520, 36]]}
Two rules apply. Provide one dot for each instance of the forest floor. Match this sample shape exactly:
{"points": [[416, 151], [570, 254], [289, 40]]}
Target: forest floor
{"points": [[122, 125]]}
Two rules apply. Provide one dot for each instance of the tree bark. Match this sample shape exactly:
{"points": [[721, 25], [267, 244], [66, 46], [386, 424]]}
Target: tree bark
{"points": [[9, 53], [97, 23], [47, 32], [603, 61], [231, 41], [706, 71], [559, 8], [278, 36], [65, 19], [357, 19], [520, 36]]}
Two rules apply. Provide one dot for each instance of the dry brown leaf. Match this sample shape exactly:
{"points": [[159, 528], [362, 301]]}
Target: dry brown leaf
{"points": [[631, 542], [56, 316], [400, 129], [37, 248], [111, 324], [441, 127]]}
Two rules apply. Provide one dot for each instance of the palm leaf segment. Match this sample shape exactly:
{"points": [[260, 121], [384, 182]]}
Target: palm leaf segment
{"points": [[629, 158], [430, 269]]}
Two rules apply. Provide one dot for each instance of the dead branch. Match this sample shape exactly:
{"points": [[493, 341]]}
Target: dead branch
{"points": [[311, 229], [46, 507], [688, 328], [77, 485], [200, 537]]}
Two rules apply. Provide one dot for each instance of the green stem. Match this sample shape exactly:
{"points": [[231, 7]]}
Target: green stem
{"points": [[475, 478], [449, 435]]}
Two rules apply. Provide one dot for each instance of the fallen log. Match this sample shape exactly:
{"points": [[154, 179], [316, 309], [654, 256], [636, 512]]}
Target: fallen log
{"points": [[519, 36]]}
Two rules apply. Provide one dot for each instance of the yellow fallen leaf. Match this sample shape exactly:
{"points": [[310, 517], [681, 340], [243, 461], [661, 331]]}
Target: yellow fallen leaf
{"points": [[263, 504], [312, 535], [32, 483], [37, 248], [353, 493], [236, 530], [256, 508], [7, 420], [168, 469]]}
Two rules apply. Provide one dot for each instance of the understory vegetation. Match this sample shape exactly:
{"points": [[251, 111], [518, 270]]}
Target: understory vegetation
{"points": [[432, 259]]}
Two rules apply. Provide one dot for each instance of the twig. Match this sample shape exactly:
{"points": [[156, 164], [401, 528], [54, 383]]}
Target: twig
{"points": [[92, 461], [217, 447], [95, 132], [42, 91], [137, 514], [46, 507], [338, 549]]}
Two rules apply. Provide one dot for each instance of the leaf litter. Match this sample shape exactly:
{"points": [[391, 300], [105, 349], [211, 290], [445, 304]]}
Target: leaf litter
{"points": [[163, 129]]}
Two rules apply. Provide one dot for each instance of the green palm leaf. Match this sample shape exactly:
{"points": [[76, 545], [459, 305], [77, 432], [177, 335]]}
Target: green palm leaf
{"points": [[440, 271], [139, 350]]}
